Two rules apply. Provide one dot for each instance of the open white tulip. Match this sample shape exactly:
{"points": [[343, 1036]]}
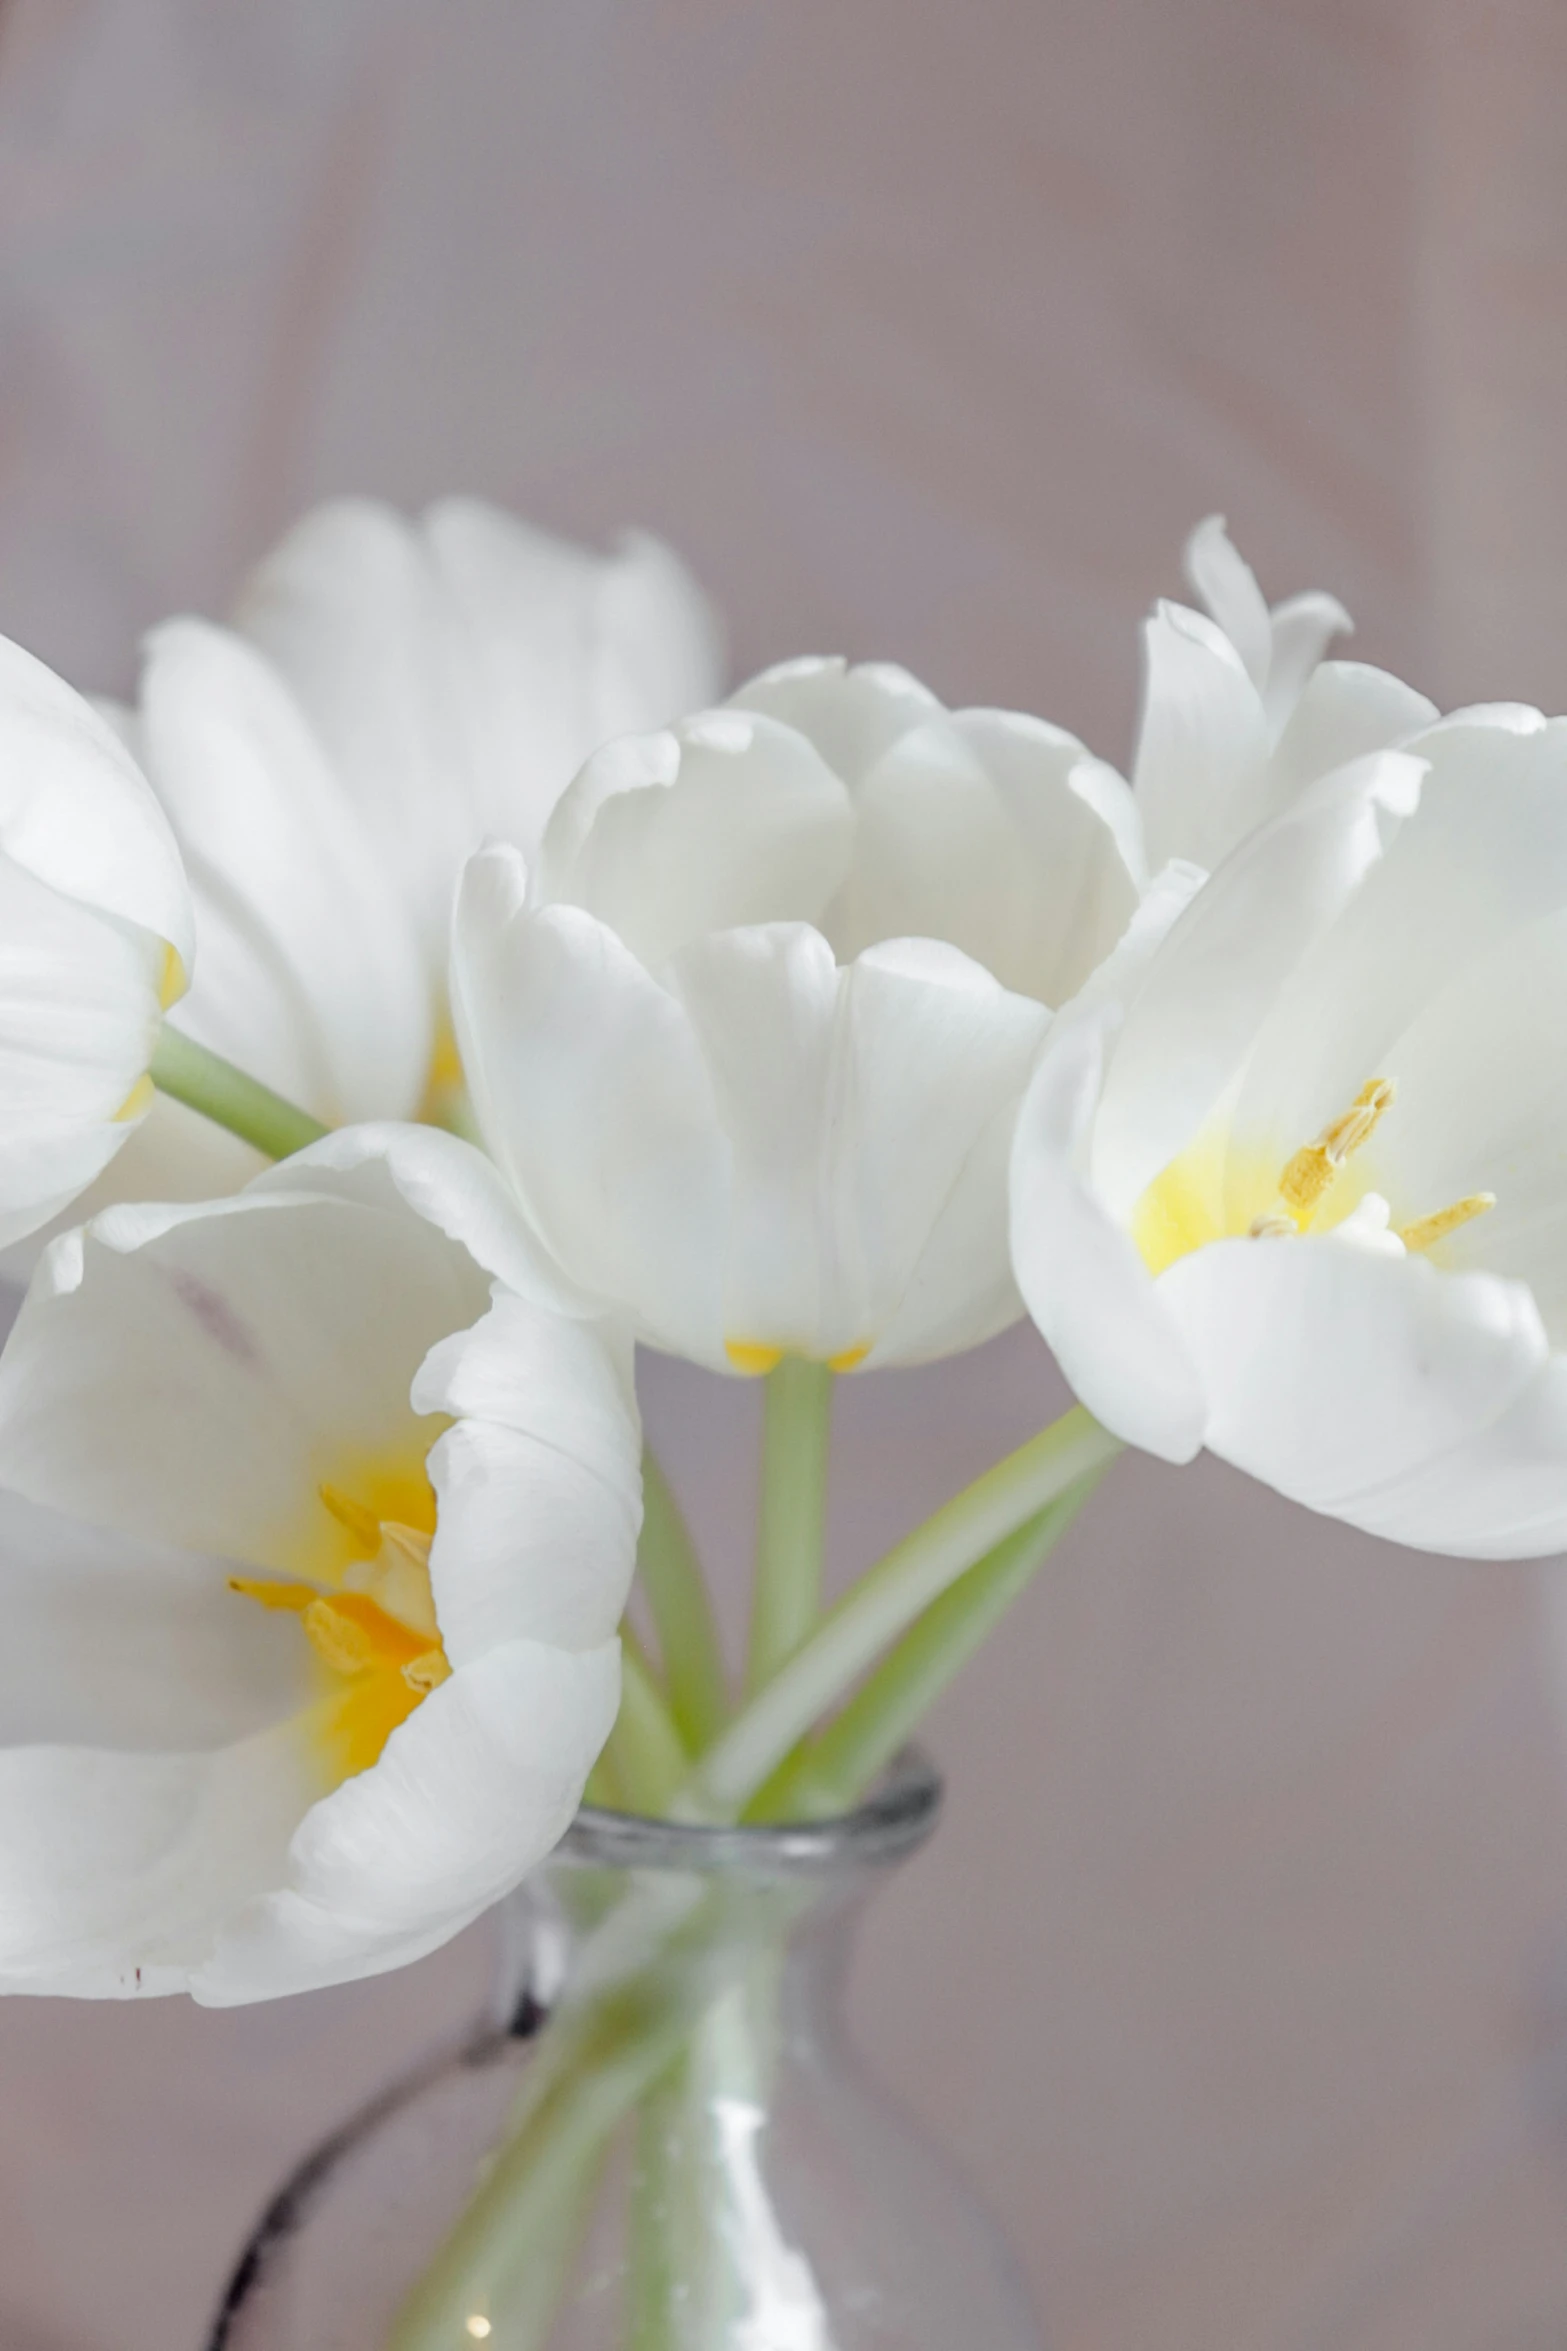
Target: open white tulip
{"points": [[749, 1039], [1241, 711], [397, 693], [379, 1511], [96, 920], [1303, 1202]]}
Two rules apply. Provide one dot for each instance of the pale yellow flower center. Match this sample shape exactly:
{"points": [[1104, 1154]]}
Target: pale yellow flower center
{"points": [[445, 1088], [1214, 1192], [757, 1357], [373, 1629]]}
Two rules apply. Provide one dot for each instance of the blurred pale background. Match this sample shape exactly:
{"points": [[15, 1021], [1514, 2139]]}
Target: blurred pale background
{"points": [[1239, 1973]]}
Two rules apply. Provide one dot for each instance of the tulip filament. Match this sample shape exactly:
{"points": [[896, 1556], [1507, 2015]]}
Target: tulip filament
{"points": [[375, 1632]]}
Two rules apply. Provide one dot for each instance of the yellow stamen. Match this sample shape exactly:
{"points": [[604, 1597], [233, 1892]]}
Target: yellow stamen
{"points": [[752, 1358], [273, 1593], [849, 1359], [427, 1673], [1426, 1231], [352, 1632], [369, 1616], [361, 1523], [1309, 1173]]}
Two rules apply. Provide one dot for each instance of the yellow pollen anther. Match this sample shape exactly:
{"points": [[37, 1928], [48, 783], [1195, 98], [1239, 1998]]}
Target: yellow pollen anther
{"points": [[274, 1593], [1273, 1228], [1309, 1173], [753, 1358], [1426, 1231], [850, 1359], [353, 1632], [361, 1523], [427, 1673]]}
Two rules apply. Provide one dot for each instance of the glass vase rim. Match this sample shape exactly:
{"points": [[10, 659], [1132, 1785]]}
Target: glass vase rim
{"points": [[896, 1817]]}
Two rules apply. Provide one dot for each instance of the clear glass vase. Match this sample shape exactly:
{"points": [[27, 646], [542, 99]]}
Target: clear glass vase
{"points": [[661, 2140]]}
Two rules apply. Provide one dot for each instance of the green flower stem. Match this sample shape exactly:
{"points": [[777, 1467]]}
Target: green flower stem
{"points": [[506, 2258], [204, 1081], [796, 1429], [833, 1772], [682, 1613], [654, 1972], [647, 1756], [882, 1607], [663, 2188]]}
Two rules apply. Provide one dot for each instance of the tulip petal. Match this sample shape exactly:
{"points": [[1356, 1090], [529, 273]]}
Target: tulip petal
{"points": [[1331, 1369], [114, 1643], [555, 650], [727, 819], [1079, 1272], [1000, 835], [120, 1868], [1345, 710], [77, 813], [660, 642], [1487, 857], [852, 716], [539, 1481], [852, 1101], [79, 1014], [592, 1097], [449, 1184], [347, 607], [470, 1793], [1301, 630], [1189, 1029], [1481, 1108], [1501, 1494], [332, 1004], [1200, 773], [1227, 585], [194, 1374]]}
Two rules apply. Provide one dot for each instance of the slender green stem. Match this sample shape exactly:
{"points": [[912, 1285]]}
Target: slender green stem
{"points": [[646, 1753], [883, 1605], [834, 1770], [682, 1613], [505, 2259], [796, 1429], [601, 2054], [659, 2223], [204, 1081]]}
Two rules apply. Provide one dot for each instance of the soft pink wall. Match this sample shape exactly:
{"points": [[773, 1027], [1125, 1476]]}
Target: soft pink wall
{"points": [[925, 330]]}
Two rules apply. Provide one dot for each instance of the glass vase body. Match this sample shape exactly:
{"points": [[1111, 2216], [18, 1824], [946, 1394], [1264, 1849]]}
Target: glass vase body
{"points": [[662, 2140]]}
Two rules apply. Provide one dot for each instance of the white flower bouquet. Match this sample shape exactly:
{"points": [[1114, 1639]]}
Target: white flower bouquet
{"points": [[430, 992]]}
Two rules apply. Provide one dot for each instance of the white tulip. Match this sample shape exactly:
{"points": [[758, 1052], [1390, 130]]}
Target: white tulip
{"points": [[1302, 1201], [749, 1041], [96, 920], [398, 693], [1240, 711], [375, 1512]]}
